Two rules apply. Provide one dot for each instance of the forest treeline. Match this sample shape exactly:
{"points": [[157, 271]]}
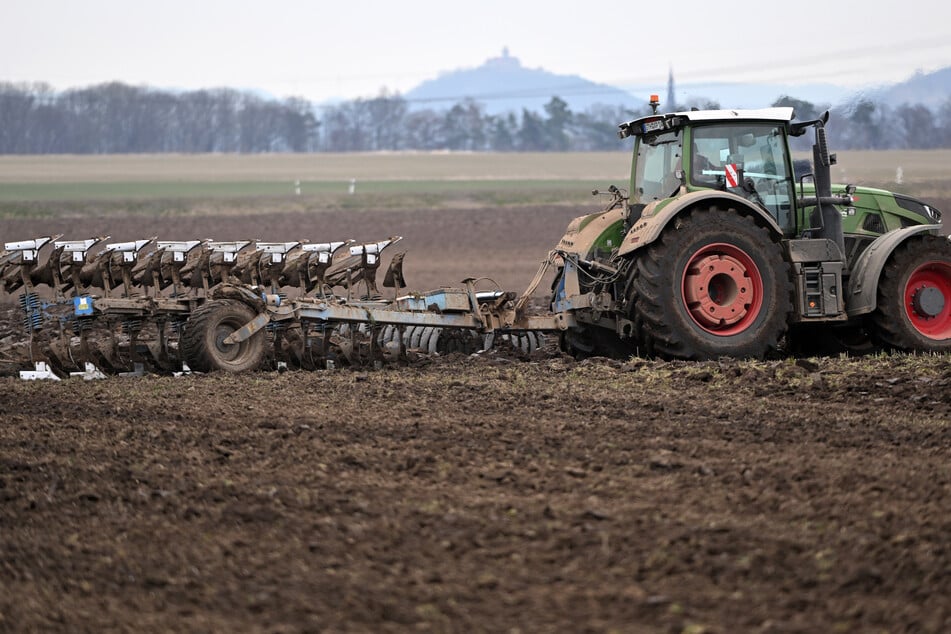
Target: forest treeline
{"points": [[117, 118]]}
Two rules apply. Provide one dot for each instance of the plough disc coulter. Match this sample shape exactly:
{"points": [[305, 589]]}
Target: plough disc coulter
{"points": [[91, 306]]}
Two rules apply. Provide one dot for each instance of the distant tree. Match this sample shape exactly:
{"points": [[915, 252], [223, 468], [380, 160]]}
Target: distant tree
{"points": [[118, 118], [89, 114], [559, 118], [531, 134], [501, 132], [464, 126], [943, 124], [804, 110], [300, 125], [17, 104], [596, 129], [918, 126], [422, 130], [384, 116], [341, 132], [256, 127], [862, 130], [211, 122], [47, 129]]}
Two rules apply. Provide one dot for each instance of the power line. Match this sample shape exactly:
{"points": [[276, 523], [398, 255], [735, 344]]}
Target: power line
{"points": [[800, 62], [871, 57]]}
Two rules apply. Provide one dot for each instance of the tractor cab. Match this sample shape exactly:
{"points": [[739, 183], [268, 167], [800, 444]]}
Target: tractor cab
{"points": [[741, 152]]}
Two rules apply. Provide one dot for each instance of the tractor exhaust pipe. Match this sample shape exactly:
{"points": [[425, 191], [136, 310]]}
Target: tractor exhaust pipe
{"points": [[831, 220]]}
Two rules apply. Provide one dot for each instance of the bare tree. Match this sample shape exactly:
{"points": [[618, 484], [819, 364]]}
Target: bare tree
{"points": [[118, 118]]}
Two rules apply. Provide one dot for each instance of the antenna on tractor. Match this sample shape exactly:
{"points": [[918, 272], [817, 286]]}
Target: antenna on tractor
{"points": [[654, 103]]}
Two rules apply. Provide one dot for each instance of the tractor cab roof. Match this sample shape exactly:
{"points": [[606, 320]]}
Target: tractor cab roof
{"points": [[659, 122]]}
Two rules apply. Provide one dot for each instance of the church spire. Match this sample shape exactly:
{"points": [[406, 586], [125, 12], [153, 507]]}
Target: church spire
{"points": [[671, 105]]}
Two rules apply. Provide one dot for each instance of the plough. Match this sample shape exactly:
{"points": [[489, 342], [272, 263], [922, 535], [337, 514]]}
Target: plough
{"points": [[92, 306]]}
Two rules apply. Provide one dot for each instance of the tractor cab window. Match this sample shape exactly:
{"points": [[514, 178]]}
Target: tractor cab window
{"points": [[657, 167], [748, 160]]}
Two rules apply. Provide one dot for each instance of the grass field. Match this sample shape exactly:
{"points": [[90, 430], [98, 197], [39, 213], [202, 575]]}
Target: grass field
{"points": [[495, 178], [322, 167], [175, 184]]}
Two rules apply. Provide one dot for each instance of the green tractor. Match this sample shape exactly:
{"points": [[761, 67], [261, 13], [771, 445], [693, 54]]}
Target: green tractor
{"points": [[720, 250]]}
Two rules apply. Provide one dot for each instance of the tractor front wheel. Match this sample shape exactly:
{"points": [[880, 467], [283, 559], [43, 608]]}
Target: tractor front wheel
{"points": [[714, 284], [914, 297], [203, 342]]}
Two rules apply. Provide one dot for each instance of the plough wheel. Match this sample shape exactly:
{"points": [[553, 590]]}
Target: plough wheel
{"points": [[205, 331]]}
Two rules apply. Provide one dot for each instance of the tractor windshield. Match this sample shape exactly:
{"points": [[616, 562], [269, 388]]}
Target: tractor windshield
{"points": [[657, 161], [747, 159]]}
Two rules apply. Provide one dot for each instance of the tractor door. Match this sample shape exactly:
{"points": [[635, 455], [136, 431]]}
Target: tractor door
{"points": [[747, 159], [656, 170]]}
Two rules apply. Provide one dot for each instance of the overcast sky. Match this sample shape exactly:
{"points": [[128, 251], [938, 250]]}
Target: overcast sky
{"points": [[354, 48]]}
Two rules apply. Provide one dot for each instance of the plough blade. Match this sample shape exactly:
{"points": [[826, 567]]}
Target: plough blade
{"points": [[91, 306], [360, 266]]}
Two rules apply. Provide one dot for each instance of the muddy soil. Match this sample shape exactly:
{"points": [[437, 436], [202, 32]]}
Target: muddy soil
{"points": [[485, 493]]}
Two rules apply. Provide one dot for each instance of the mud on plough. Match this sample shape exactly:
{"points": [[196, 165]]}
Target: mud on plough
{"points": [[91, 307]]}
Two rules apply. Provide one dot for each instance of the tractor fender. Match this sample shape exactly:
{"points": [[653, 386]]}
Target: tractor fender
{"points": [[586, 233], [867, 269], [658, 214]]}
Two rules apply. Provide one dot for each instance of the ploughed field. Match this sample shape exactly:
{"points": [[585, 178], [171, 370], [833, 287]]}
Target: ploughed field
{"points": [[485, 493], [444, 246]]}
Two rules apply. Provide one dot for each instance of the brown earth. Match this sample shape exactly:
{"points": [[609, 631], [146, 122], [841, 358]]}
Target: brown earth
{"points": [[479, 493]]}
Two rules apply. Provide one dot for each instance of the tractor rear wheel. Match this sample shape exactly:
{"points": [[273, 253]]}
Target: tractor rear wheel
{"points": [[203, 343], [914, 297], [713, 284]]}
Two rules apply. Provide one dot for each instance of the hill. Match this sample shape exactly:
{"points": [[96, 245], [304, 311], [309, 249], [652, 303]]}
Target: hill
{"points": [[502, 84], [928, 89], [738, 95]]}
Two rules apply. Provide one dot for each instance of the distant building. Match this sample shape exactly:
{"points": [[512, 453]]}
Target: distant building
{"points": [[505, 62], [671, 105]]}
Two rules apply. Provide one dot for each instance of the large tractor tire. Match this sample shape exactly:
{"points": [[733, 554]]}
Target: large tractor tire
{"points": [[713, 284], [914, 297], [203, 344]]}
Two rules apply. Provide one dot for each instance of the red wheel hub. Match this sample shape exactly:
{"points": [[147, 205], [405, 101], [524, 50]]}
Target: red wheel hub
{"points": [[722, 289], [928, 300]]}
